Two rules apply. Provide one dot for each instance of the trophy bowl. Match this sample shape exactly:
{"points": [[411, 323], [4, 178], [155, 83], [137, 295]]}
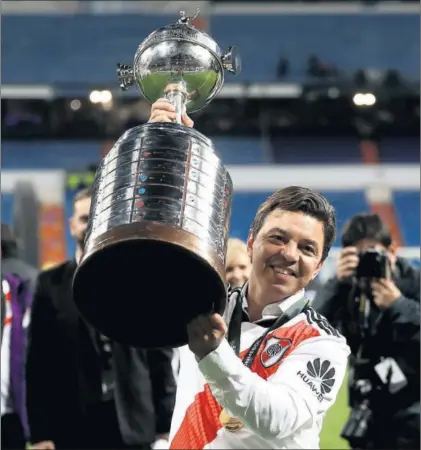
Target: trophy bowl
{"points": [[154, 255]]}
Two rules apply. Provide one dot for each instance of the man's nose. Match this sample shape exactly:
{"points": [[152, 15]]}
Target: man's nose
{"points": [[290, 252]]}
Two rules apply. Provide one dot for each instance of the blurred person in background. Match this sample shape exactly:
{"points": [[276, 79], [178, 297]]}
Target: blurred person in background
{"points": [[237, 265], [16, 301], [267, 380], [10, 260], [84, 391], [18, 280], [374, 298], [3, 307]]}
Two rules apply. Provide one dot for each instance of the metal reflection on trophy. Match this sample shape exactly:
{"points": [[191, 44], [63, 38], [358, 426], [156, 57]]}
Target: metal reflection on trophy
{"points": [[155, 249]]}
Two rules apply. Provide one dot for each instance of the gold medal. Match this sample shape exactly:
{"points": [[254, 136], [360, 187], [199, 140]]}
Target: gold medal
{"points": [[230, 423]]}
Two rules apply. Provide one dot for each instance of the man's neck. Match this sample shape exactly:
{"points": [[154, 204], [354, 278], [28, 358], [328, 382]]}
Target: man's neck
{"points": [[79, 253], [258, 299]]}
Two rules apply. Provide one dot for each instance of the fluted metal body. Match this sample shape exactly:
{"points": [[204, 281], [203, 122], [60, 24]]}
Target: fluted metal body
{"points": [[155, 248]]}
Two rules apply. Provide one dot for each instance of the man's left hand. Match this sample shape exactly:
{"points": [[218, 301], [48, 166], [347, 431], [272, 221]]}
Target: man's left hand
{"points": [[385, 293], [205, 334]]}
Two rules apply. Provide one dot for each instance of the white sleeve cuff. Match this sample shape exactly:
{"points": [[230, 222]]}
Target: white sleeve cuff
{"points": [[221, 364]]}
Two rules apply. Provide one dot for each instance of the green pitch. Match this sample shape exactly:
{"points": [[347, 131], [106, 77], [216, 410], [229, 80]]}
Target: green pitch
{"points": [[335, 420]]}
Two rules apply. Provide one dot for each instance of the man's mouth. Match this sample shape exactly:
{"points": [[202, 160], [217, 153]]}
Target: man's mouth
{"points": [[284, 271]]}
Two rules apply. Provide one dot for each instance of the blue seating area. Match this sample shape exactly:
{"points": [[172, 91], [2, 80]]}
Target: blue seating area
{"points": [[298, 150], [85, 48], [287, 150], [7, 208], [71, 48], [49, 155], [400, 150], [239, 150], [246, 204], [366, 38], [407, 205], [77, 155]]}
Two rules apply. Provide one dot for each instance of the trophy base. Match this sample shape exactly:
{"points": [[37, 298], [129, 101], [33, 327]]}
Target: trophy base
{"points": [[142, 283]]}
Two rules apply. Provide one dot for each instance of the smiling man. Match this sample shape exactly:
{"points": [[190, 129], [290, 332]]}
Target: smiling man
{"points": [[267, 378], [264, 375]]}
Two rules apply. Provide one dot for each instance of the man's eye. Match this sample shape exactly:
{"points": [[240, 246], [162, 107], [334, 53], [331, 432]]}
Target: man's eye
{"points": [[277, 238], [309, 249]]}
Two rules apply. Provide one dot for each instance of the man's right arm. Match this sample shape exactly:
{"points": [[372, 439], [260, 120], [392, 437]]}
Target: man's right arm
{"points": [[43, 347]]}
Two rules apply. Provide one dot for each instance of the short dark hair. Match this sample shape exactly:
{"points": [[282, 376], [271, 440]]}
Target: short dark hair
{"points": [[365, 226], [82, 194], [304, 200]]}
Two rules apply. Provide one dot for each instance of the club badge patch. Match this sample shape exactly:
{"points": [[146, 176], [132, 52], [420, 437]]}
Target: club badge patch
{"points": [[274, 350]]}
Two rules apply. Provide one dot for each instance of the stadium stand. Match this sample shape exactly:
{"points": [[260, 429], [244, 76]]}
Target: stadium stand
{"points": [[112, 38]]}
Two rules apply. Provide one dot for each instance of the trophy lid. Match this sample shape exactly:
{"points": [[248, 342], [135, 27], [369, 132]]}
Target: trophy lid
{"points": [[181, 30]]}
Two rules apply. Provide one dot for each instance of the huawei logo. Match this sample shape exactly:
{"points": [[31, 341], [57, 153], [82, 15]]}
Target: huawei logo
{"points": [[319, 377], [322, 373]]}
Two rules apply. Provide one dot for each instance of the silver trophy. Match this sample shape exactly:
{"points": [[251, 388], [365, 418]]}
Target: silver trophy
{"points": [[155, 248]]}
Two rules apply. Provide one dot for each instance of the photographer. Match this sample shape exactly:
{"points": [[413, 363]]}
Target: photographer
{"points": [[374, 299]]}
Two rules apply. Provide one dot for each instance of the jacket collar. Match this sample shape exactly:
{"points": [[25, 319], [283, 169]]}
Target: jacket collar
{"points": [[273, 309]]}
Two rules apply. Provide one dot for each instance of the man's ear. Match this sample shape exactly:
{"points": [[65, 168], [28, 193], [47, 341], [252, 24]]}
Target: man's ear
{"points": [[318, 269], [250, 242]]}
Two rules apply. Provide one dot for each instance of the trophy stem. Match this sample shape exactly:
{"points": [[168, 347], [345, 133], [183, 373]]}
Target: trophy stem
{"points": [[177, 96]]}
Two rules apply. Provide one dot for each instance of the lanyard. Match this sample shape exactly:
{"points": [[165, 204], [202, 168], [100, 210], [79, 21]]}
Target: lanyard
{"points": [[234, 329]]}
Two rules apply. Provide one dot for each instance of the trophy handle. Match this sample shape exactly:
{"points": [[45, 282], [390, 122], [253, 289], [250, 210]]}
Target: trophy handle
{"points": [[125, 76], [232, 60]]}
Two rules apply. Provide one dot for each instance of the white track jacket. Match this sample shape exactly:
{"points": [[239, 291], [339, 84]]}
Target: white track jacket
{"points": [[281, 400]]}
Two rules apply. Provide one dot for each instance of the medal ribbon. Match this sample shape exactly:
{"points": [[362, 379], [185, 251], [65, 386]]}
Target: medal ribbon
{"points": [[234, 329]]}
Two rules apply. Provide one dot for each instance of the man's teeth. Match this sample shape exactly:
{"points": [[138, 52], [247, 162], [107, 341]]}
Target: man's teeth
{"points": [[282, 271]]}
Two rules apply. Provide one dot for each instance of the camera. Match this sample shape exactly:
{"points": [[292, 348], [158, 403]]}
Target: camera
{"points": [[355, 430], [356, 427], [373, 264]]}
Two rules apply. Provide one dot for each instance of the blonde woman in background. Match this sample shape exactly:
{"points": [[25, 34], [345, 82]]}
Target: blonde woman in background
{"points": [[237, 263]]}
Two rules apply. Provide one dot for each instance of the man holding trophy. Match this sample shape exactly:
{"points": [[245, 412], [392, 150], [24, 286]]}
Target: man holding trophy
{"points": [[261, 367]]}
